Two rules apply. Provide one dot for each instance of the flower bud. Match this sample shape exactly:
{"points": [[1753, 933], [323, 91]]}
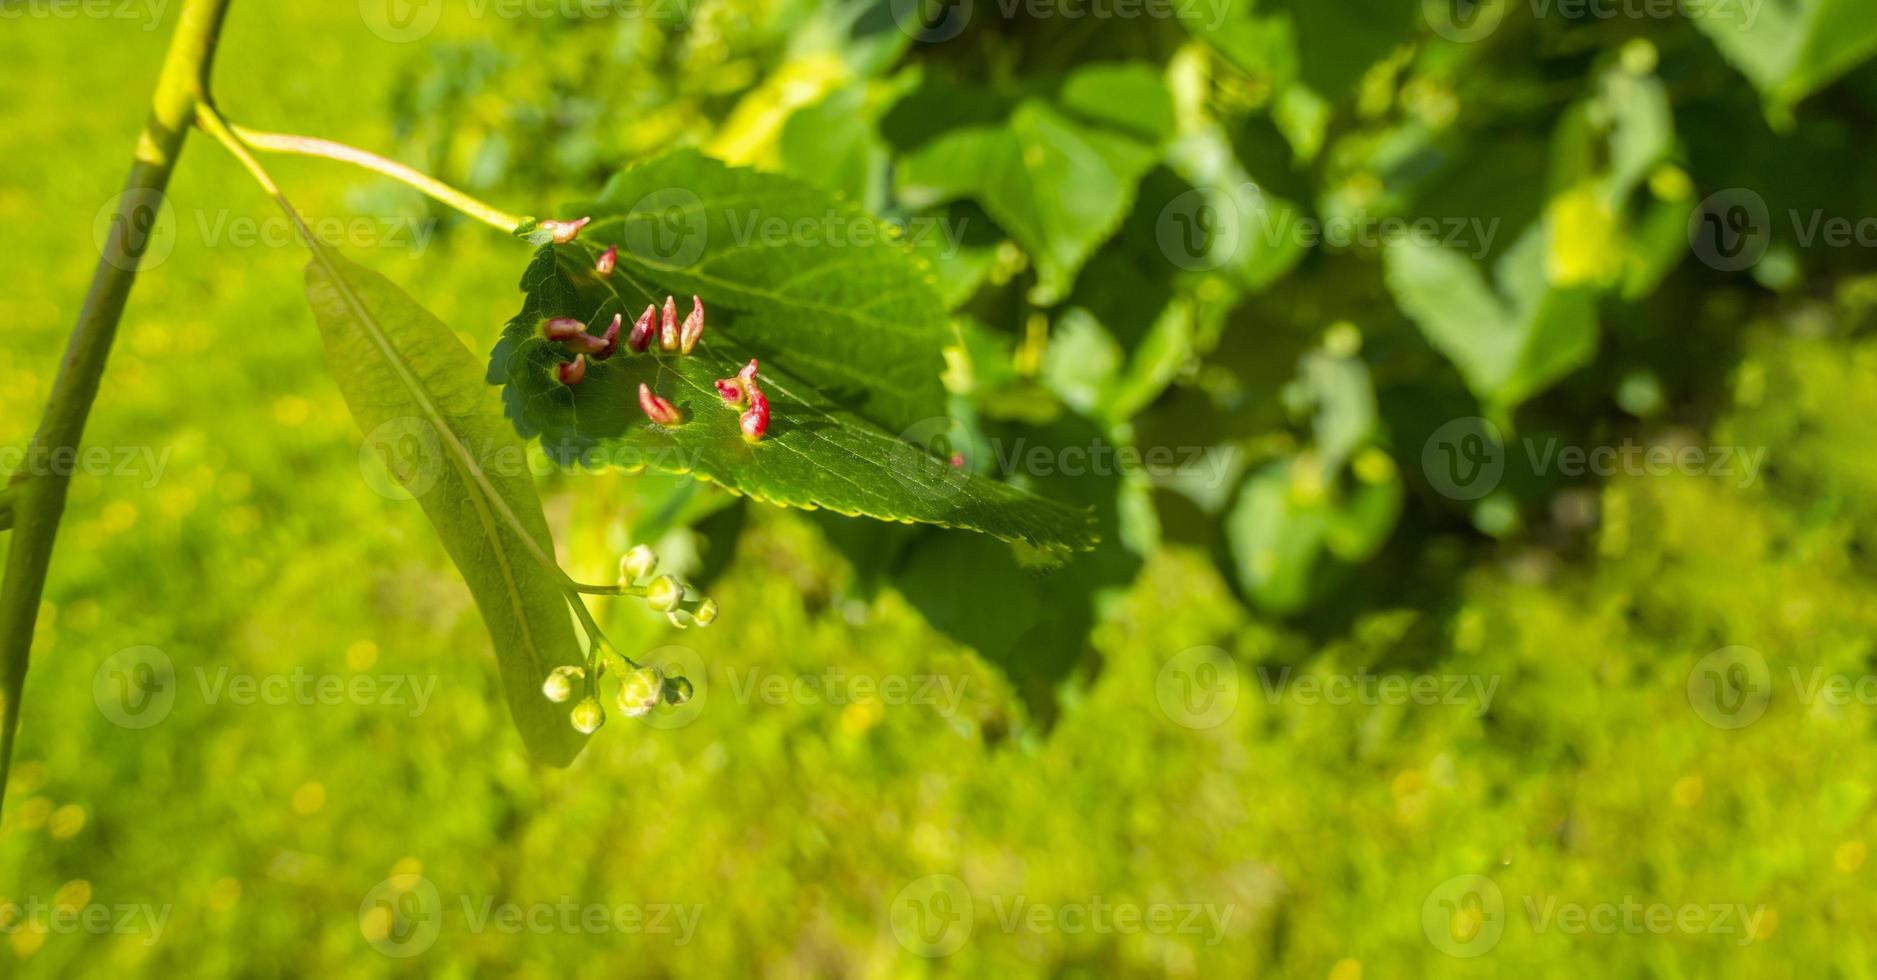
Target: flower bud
{"points": [[638, 563], [658, 409], [693, 328], [664, 594], [572, 372], [641, 691], [668, 326], [641, 336], [677, 690], [564, 231], [588, 716], [608, 259], [559, 686], [705, 613]]}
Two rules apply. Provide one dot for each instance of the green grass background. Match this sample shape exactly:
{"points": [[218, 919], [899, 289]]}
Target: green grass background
{"points": [[1317, 832]]}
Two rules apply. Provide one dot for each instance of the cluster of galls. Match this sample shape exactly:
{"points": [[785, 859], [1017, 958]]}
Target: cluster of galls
{"points": [[640, 688], [672, 337]]}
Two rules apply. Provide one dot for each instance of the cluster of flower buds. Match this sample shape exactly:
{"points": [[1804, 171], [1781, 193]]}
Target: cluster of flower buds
{"points": [[664, 593], [742, 392], [640, 690]]}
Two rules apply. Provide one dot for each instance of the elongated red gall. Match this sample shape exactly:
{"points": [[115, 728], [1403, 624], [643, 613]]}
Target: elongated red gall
{"points": [[658, 409], [641, 336], [668, 326], [693, 329]]}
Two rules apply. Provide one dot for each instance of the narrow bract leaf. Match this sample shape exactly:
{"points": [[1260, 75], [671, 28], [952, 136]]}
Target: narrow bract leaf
{"points": [[414, 389]]}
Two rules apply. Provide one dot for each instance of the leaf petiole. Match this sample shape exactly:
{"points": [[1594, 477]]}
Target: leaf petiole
{"points": [[309, 146]]}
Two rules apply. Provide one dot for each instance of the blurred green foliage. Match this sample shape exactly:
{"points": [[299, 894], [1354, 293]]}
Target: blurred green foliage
{"points": [[1090, 166]]}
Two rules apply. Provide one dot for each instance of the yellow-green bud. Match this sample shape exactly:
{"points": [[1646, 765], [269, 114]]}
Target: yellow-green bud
{"points": [[706, 612], [588, 716], [638, 564], [559, 685], [677, 690], [665, 593], [640, 691]]}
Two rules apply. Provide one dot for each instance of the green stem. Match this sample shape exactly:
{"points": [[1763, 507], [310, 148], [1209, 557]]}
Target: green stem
{"points": [[308, 146], [38, 500]]}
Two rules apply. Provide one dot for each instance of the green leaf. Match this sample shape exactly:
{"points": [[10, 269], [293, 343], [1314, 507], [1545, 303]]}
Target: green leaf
{"points": [[795, 275], [818, 453], [414, 389], [1059, 186], [833, 144], [1792, 48], [1507, 344], [1290, 535]]}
